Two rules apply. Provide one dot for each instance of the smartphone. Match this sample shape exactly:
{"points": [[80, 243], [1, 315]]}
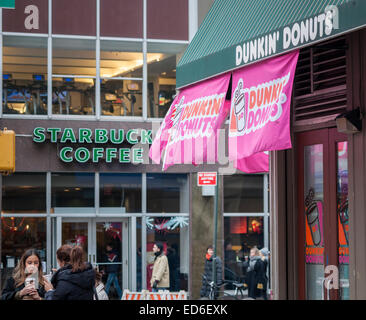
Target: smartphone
{"points": [[32, 279]]}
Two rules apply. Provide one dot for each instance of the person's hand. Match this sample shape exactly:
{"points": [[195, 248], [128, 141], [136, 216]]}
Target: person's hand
{"points": [[54, 269], [28, 289], [34, 294], [47, 285]]}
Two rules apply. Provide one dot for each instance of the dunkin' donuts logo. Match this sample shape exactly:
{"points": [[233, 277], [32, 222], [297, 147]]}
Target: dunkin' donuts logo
{"points": [[252, 108]]}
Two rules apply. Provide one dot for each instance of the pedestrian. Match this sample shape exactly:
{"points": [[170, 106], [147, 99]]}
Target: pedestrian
{"points": [[160, 274], [208, 275], [27, 282], [111, 269], [76, 282], [99, 293], [255, 274], [264, 254], [173, 262]]}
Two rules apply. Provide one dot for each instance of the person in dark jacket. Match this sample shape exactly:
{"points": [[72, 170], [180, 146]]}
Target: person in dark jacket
{"points": [[207, 276], [111, 268], [256, 274], [76, 281], [28, 269]]}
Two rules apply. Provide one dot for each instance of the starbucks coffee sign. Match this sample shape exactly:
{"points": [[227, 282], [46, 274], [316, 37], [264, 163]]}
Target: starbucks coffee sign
{"points": [[82, 154]]}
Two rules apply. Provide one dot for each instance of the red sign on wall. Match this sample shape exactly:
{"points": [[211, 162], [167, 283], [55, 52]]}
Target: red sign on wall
{"points": [[206, 179]]}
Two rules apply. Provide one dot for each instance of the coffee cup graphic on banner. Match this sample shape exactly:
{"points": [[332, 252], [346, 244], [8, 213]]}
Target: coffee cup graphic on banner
{"points": [[239, 106]]}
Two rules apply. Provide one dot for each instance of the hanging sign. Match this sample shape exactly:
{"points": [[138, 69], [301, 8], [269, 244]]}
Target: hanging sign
{"points": [[188, 132], [260, 107]]}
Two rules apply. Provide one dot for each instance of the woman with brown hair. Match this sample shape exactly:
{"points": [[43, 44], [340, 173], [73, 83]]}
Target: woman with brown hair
{"points": [[27, 282], [76, 282]]}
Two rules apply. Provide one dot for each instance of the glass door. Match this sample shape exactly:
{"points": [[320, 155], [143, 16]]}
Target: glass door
{"points": [[111, 251], [106, 245], [322, 214]]}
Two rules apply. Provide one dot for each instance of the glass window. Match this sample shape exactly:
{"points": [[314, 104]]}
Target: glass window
{"points": [[161, 60], [24, 193], [74, 71], [24, 75], [241, 234], [18, 235], [121, 78], [138, 254], [173, 234], [120, 190], [167, 193], [243, 193], [72, 190]]}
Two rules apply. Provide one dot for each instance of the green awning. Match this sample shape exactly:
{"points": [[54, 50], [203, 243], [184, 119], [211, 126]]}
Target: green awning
{"points": [[236, 33]]}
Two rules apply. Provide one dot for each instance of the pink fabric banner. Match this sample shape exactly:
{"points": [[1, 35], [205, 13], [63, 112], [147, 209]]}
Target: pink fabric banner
{"points": [[260, 111], [188, 132]]}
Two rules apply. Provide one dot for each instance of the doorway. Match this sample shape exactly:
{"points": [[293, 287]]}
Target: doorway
{"points": [[322, 215], [95, 235]]}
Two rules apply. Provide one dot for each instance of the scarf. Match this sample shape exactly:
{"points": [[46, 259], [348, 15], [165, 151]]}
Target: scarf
{"points": [[252, 261]]}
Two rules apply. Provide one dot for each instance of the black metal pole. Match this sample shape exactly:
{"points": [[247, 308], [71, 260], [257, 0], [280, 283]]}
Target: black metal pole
{"points": [[214, 276]]}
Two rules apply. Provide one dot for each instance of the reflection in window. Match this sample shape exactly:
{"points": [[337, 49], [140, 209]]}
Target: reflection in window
{"points": [[74, 71], [121, 74], [173, 234], [121, 191], [72, 190], [73, 96], [24, 75], [18, 235], [161, 77], [243, 193], [167, 193], [241, 234], [24, 192]]}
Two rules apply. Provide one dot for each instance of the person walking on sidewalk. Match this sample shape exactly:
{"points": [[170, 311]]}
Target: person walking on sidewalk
{"points": [[208, 275], [111, 269], [255, 276], [160, 274]]}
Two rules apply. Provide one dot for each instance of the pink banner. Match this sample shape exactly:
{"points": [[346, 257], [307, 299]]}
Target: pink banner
{"points": [[260, 109], [188, 132]]}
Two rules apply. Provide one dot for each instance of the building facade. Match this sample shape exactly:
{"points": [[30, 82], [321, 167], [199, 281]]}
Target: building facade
{"points": [[85, 85]]}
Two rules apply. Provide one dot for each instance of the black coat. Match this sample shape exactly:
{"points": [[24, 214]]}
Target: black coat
{"points": [[73, 285], [256, 277], [114, 256], [10, 290], [208, 274]]}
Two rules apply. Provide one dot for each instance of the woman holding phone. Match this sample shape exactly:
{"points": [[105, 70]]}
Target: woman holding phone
{"points": [[27, 282]]}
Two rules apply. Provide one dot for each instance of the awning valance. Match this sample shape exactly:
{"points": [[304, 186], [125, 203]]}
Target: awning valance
{"points": [[236, 33]]}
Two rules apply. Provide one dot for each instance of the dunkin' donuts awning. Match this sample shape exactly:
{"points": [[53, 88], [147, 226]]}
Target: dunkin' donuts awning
{"points": [[256, 43], [259, 111], [237, 33]]}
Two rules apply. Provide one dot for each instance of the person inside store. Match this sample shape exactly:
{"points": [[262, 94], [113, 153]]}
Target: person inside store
{"points": [[111, 269], [255, 274], [27, 281], [76, 282], [208, 275], [160, 274], [173, 261]]}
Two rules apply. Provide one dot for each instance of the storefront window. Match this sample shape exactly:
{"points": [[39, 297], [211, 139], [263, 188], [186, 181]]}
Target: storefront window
{"points": [[72, 190], [241, 234], [24, 193], [167, 193], [243, 193], [162, 61], [24, 75], [121, 78], [120, 191], [74, 72], [18, 235], [138, 254], [173, 234]]}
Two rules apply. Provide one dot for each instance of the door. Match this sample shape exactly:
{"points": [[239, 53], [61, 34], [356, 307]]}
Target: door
{"points": [[322, 214], [95, 236]]}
